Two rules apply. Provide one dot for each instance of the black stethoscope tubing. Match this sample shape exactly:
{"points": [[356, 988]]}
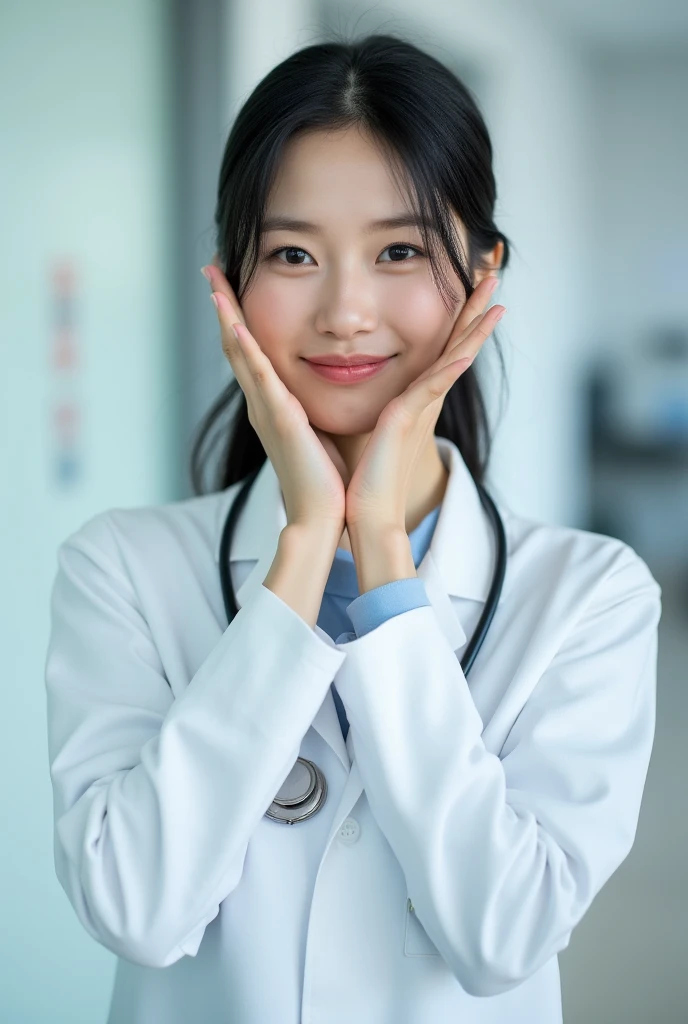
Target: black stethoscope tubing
{"points": [[296, 809]]}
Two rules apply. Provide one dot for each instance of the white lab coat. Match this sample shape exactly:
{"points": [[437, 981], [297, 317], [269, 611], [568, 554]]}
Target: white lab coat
{"points": [[468, 825]]}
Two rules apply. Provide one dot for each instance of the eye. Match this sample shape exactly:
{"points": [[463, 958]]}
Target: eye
{"points": [[289, 249], [400, 247]]}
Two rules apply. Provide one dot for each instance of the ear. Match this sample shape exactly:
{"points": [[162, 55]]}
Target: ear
{"points": [[493, 261]]}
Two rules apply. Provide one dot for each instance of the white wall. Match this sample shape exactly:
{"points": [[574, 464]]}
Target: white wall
{"points": [[83, 176], [641, 206], [258, 35]]}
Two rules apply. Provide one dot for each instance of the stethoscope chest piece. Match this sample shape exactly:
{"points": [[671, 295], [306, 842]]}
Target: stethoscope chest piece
{"points": [[301, 795]]}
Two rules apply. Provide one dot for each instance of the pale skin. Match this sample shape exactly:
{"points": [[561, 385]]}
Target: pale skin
{"points": [[349, 289]]}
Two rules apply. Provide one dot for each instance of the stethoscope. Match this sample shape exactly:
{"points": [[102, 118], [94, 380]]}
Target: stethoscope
{"points": [[305, 789]]}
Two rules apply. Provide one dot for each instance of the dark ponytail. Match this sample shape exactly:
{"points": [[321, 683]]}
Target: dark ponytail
{"points": [[436, 140]]}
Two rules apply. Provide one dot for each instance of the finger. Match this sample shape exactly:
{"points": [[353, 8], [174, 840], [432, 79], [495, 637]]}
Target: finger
{"points": [[219, 283], [256, 374], [469, 344], [432, 389], [474, 335], [236, 348], [478, 332], [230, 343], [473, 307]]}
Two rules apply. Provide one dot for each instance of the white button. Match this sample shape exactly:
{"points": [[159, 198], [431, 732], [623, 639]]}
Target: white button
{"points": [[349, 831]]}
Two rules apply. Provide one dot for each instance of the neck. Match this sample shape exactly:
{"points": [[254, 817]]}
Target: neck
{"points": [[427, 487]]}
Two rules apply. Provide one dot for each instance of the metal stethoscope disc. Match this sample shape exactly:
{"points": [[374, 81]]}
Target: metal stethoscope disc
{"points": [[301, 795]]}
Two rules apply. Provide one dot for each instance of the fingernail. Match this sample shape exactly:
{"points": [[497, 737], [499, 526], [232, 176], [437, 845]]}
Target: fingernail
{"points": [[500, 315], [204, 271], [214, 300], [493, 284]]}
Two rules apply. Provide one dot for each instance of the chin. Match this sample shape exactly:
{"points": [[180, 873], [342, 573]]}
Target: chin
{"points": [[343, 428]]}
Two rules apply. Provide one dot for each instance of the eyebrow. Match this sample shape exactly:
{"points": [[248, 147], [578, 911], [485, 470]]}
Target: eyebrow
{"points": [[404, 220]]}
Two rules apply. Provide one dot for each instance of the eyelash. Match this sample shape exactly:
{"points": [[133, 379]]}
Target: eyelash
{"points": [[297, 248]]}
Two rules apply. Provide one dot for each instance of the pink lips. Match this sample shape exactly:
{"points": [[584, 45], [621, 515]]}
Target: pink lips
{"points": [[349, 374]]}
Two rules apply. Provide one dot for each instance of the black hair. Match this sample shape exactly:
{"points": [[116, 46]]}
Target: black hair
{"points": [[429, 126]]}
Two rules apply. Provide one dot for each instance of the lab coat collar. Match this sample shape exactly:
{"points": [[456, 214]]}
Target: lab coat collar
{"points": [[459, 562]]}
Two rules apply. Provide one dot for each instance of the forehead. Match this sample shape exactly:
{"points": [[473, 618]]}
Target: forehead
{"points": [[335, 177]]}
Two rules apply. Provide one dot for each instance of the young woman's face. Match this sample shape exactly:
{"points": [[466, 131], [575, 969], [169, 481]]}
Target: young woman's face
{"points": [[343, 286]]}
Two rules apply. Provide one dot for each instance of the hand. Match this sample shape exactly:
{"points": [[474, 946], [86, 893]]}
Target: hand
{"points": [[376, 495], [312, 488]]}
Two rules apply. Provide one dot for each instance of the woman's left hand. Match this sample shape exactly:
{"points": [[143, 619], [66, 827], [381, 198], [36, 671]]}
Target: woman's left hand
{"points": [[377, 493]]}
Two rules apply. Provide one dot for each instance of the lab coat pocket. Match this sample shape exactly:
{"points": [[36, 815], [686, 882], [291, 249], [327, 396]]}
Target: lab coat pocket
{"points": [[416, 939]]}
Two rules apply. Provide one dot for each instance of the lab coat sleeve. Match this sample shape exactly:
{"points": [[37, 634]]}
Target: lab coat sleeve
{"points": [[155, 798], [504, 854]]}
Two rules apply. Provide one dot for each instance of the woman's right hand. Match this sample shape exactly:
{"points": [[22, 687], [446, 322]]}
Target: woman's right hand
{"points": [[312, 486]]}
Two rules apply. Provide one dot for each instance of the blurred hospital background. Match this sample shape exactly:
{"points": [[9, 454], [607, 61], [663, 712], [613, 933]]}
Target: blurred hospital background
{"points": [[114, 117]]}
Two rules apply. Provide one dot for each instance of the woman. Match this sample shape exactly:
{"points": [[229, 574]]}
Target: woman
{"points": [[460, 832]]}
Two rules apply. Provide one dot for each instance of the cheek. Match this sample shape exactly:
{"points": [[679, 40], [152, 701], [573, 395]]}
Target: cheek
{"points": [[419, 317], [274, 313]]}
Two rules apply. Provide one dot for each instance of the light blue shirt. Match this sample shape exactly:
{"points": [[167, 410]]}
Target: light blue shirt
{"points": [[343, 607]]}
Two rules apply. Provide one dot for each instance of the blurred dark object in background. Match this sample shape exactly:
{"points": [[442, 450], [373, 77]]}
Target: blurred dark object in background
{"points": [[638, 450]]}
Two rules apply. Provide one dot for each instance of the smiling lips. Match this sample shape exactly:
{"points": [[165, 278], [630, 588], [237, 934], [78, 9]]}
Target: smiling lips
{"points": [[355, 359], [351, 373]]}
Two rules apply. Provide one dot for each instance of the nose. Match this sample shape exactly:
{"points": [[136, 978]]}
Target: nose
{"points": [[347, 304]]}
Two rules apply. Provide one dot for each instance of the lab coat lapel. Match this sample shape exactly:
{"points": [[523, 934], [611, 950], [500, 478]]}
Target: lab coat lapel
{"points": [[458, 563]]}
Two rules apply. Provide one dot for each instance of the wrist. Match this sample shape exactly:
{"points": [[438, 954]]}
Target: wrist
{"points": [[299, 571], [381, 555], [317, 534]]}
